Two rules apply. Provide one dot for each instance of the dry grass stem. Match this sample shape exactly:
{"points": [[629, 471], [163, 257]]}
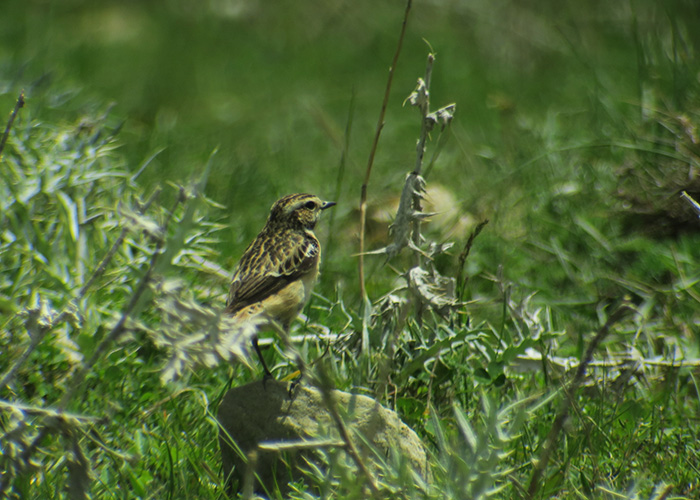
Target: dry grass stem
{"points": [[11, 120], [558, 425], [373, 150]]}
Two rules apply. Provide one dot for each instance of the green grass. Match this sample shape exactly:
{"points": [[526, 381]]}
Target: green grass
{"points": [[575, 131]]}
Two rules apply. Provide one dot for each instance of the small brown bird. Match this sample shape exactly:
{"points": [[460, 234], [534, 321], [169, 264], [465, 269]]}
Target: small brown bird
{"points": [[274, 278]]}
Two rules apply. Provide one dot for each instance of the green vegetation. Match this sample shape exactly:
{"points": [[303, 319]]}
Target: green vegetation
{"points": [[155, 136]]}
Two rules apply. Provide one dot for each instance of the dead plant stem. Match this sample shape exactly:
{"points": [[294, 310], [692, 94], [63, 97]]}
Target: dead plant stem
{"points": [[11, 120], [373, 150], [424, 107], [570, 391]]}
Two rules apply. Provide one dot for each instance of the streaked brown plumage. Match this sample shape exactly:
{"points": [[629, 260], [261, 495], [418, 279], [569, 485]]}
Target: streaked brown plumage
{"points": [[278, 270]]}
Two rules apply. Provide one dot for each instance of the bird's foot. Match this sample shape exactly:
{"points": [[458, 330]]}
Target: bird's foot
{"points": [[294, 380]]}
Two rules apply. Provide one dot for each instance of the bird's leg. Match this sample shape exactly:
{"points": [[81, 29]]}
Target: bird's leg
{"points": [[297, 380], [268, 373]]}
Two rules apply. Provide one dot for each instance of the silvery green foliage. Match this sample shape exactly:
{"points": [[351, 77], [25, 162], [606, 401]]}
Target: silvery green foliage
{"points": [[432, 288], [195, 334], [471, 459]]}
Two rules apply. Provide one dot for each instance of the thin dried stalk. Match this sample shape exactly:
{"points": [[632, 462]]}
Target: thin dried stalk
{"points": [[405, 230], [461, 279], [324, 384], [326, 388], [421, 99], [424, 106], [563, 414], [11, 120], [373, 150]]}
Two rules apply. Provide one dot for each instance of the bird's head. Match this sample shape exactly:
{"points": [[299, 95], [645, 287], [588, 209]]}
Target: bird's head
{"points": [[300, 211]]}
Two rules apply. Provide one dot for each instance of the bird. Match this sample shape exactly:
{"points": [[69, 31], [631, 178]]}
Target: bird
{"points": [[274, 277]]}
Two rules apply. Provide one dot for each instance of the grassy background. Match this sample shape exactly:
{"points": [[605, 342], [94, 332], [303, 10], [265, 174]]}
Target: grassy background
{"points": [[272, 88], [574, 134]]}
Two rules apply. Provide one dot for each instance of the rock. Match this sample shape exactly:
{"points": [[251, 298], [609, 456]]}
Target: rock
{"points": [[298, 425]]}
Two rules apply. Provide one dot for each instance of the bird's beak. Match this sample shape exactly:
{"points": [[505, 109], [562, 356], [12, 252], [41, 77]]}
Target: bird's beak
{"points": [[327, 204]]}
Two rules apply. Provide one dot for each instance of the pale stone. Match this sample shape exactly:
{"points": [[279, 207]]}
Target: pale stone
{"points": [[300, 422]]}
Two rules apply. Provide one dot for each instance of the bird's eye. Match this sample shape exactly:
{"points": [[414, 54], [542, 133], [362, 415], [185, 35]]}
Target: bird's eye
{"points": [[311, 205]]}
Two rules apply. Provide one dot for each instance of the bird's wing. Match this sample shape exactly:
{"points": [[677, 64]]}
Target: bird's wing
{"points": [[268, 265]]}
